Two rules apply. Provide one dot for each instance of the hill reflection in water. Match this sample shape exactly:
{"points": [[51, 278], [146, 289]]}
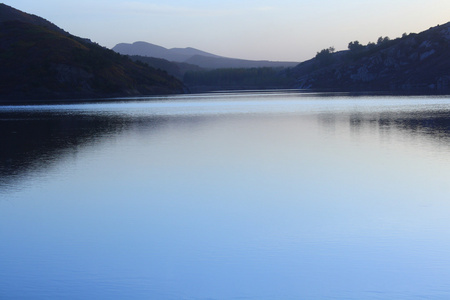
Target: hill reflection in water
{"points": [[33, 141]]}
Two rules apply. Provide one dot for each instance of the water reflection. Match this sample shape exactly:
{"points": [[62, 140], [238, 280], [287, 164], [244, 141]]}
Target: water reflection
{"points": [[432, 126], [34, 140], [290, 198]]}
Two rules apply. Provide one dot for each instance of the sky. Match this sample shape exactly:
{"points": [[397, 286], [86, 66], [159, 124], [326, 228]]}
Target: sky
{"points": [[280, 30]]}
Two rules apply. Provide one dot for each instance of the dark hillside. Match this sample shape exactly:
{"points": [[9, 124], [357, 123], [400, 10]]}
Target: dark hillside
{"points": [[238, 79], [415, 62], [176, 69], [40, 61], [8, 13]]}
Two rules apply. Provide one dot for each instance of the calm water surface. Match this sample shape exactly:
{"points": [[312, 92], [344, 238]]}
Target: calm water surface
{"points": [[227, 196]]}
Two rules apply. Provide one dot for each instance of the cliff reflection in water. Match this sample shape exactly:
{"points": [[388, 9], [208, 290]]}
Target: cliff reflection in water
{"points": [[430, 126]]}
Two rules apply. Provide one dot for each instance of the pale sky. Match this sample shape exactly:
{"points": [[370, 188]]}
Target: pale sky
{"points": [[249, 29]]}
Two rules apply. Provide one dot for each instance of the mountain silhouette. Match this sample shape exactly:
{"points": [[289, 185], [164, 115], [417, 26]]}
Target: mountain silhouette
{"points": [[194, 56], [7, 13]]}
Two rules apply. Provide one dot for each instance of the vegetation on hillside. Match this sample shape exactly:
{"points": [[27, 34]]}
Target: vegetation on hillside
{"points": [[325, 57], [238, 79], [39, 62], [176, 69]]}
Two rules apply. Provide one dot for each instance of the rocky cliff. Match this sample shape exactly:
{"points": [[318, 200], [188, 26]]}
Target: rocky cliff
{"points": [[415, 62]]}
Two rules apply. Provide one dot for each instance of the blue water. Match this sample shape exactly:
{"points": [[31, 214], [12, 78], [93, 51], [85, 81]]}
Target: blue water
{"points": [[227, 196]]}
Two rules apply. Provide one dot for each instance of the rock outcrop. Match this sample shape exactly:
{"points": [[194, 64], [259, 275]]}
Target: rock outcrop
{"points": [[415, 62]]}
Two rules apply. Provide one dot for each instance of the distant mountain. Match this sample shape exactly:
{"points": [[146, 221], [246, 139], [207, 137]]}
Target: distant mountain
{"points": [[41, 61], [151, 50], [200, 80], [225, 62], [194, 56], [415, 62], [189, 52]]}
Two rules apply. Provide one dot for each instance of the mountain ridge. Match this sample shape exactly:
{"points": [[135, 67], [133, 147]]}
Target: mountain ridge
{"points": [[194, 56], [8, 13], [142, 48]]}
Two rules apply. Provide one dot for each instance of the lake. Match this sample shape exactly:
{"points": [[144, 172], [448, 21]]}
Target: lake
{"points": [[257, 195]]}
